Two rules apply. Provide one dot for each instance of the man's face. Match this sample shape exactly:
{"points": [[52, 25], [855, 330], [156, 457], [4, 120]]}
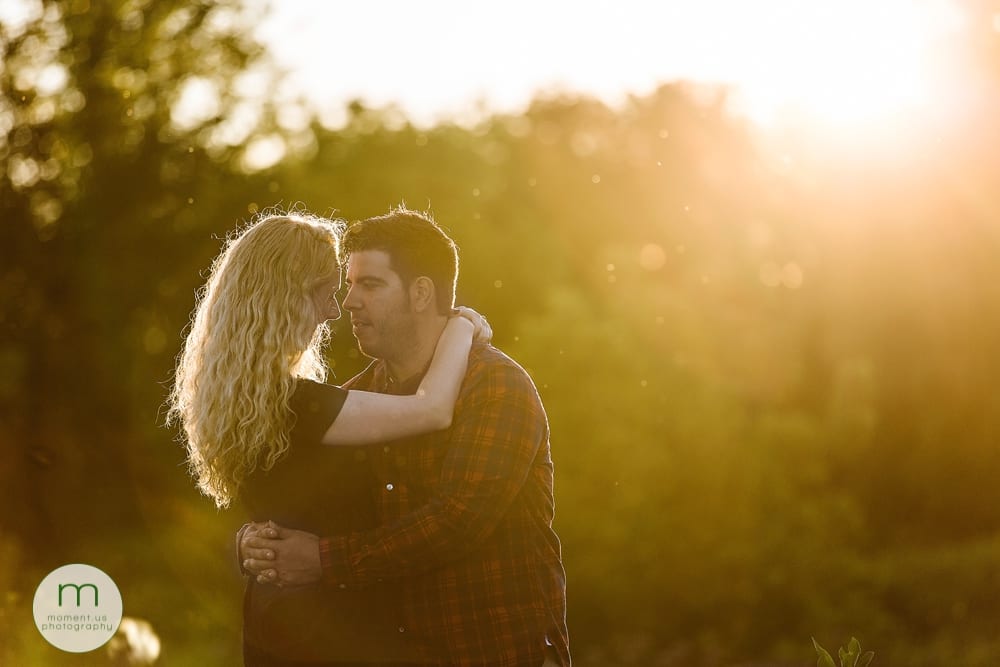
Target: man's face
{"points": [[379, 305]]}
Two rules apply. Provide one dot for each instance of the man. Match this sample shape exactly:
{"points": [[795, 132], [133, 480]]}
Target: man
{"points": [[465, 514]]}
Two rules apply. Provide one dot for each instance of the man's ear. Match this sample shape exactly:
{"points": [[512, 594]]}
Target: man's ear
{"points": [[422, 295]]}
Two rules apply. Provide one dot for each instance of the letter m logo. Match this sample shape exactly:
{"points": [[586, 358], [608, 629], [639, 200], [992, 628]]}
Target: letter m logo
{"points": [[78, 589]]}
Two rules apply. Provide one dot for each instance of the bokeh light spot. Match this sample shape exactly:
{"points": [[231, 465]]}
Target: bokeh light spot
{"points": [[264, 152], [652, 257], [792, 276], [770, 274], [154, 340]]}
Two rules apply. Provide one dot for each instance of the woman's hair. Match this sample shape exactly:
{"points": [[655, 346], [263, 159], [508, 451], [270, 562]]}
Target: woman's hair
{"points": [[253, 332]]}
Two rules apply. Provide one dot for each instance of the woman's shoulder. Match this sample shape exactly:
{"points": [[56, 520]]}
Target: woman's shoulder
{"points": [[307, 387], [317, 400]]}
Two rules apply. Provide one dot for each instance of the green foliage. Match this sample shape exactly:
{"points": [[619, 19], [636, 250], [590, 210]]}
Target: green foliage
{"points": [[849, 657]]}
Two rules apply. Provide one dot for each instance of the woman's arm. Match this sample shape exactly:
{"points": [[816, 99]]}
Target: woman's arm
{"points": [[369, 417]]}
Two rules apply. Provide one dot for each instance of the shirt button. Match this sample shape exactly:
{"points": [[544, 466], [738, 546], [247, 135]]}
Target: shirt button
{"points": [[402, 629], [342, 586], [389, 487]]}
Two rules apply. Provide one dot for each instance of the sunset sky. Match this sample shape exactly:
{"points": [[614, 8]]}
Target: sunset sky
{"points": [[847, 62]]}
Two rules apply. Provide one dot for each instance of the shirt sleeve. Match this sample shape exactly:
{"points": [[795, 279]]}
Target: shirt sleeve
{"points": [[315, 406], [493, 442]]}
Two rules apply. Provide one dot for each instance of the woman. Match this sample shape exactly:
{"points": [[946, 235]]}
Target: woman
{"points": [[257, 420]]}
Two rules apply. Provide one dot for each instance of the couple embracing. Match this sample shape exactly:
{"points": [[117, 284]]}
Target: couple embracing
{"points": [[404, 518]]}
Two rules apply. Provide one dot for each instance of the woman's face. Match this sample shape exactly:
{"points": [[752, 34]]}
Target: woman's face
{"points": [[325, 300]]}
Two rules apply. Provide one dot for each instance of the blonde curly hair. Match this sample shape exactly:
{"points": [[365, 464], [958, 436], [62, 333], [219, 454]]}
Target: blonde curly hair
{"points": [[252, 334]]}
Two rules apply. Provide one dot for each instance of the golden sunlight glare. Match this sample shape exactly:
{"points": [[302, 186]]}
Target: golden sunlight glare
{"points": [[847, 65], [844, 64]]}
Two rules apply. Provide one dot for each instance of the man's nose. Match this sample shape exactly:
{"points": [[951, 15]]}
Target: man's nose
{"points": [[351, 302]]}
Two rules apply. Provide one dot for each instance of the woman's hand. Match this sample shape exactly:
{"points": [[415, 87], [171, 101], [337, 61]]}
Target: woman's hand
{"points": [[482, 331]]}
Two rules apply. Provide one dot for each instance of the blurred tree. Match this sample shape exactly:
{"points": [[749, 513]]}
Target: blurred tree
{"points": [[117, 119]]}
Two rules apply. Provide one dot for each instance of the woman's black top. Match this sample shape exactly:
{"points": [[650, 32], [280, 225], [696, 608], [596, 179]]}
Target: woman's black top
{"points": [[324, 490]]}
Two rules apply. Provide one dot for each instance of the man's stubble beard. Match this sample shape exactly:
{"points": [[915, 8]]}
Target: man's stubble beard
{"points": [[397, 337]]}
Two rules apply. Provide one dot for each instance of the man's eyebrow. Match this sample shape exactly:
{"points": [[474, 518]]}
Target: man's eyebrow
{"points": [[366, 279]]}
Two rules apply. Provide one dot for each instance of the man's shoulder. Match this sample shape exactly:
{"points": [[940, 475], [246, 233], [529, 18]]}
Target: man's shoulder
{"points": [[497, 387], [489, 364], [486, 356]]}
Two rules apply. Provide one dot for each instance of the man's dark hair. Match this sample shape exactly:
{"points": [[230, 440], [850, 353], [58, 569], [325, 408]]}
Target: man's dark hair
{"points": [[416, 246]]}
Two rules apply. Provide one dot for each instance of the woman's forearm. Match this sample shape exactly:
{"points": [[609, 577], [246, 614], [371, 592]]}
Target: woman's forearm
{"points": [[443, 379], [369, 418]]}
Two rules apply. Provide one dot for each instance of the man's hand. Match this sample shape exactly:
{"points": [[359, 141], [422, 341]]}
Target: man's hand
{"points": [[282, 556]]}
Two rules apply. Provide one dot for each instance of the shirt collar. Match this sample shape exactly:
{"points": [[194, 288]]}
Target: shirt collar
{"points": [[391, 385]]}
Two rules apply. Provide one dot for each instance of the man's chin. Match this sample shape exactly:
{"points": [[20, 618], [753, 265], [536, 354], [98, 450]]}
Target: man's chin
{"points": [[367, 350]]}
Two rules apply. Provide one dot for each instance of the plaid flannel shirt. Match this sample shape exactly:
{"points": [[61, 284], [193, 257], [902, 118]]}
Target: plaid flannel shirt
{"points": [[466, 525]]}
